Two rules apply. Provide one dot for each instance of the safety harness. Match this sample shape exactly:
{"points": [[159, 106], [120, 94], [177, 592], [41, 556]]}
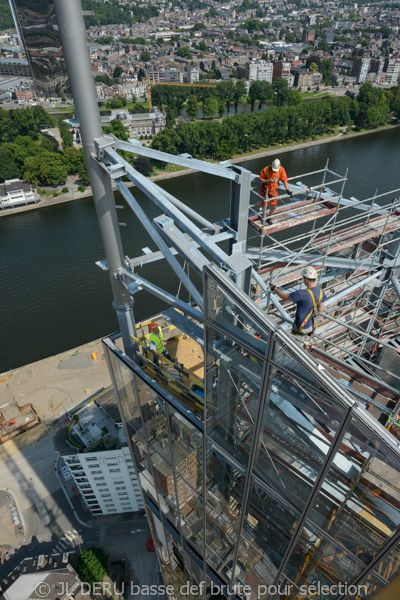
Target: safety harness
{"points": [[313, 310]]}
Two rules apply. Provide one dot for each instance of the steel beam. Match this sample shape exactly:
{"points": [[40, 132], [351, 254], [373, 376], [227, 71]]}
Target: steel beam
{"points": [[74, 42], [188, 211], [155, 235], [239, 208], [352, 288], [311, 259], [183, 161], [131, 280], [150, 189], [186, 248]]}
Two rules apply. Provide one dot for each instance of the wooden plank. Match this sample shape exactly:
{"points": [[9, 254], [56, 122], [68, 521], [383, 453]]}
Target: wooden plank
{"points": [[306, 211]]}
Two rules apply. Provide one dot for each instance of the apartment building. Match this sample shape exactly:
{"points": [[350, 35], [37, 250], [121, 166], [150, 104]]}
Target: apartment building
{"points": [[259, 70], [102, 467], [106, 481]]}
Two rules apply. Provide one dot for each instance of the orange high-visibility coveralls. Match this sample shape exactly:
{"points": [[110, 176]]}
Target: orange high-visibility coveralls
{"points": [[272, 187]]}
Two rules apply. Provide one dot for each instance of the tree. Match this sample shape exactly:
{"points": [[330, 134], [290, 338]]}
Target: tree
{"points": [[210, 107], [239, 92], [143, 165], [92, 565], [48, 168], [145, 56], [313, 67], [184, 52], [281, 92], [203, 46], [104, 79], [117, 72], [117, 129], [192, 107], [66, 135], [199, 27], [326, 71]]}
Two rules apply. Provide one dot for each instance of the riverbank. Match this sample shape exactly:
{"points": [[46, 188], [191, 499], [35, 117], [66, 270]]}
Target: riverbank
{"points": [[273, 150]]}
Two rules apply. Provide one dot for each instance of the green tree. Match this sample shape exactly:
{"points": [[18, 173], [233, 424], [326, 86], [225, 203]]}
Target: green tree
{"points": [[92, 565], [281, 92], [313, 67], [184, 52], [203, 46], [210, 107], [170, 118], [117, 72], [48, 168], [143, 165], [192, 107], [104, 79], [66, 135], [145, 56], [238, 92], [326, 71], [117, 129]]}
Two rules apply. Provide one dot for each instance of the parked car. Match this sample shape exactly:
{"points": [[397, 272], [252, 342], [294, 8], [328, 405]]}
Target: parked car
{"points": [[150, 545]]}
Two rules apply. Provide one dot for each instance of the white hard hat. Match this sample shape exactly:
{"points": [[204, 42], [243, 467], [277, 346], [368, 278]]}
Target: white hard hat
{"points": [[309, 272], [276, 164]]}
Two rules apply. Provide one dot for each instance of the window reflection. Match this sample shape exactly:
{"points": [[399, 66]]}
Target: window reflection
{"points": [[318, 559], [359, 501], [232, 389], [299, 426]]}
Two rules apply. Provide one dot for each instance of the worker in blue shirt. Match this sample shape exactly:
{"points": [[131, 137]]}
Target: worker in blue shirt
{"points": [[310, 302]]}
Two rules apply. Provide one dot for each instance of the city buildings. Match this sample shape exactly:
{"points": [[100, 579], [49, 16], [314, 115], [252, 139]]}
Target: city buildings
{"points": [[52, 574], [102, 468], [259, 70], [37, 25]]}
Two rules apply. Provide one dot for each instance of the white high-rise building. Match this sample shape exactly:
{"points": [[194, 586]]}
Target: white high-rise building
{"points": [[106, 481], [102, 467], [259, 70], [392, 70]]}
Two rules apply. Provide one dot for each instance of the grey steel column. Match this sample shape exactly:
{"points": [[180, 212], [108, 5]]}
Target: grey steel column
{"points": [[239, 208], [74, 42]]}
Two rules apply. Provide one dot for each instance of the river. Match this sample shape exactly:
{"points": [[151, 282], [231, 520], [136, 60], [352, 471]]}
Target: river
{"points": [[54, 297]]}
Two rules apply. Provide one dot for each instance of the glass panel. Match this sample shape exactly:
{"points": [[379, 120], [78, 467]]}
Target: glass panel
{"points": [[389, 567], [283, 358], [234, 378], [359, 501], [224, 312], [366, 589], [267, 530], [299, 427], [316, 559], [38, 26], [142, 462], [225, 487], [126, 389]]}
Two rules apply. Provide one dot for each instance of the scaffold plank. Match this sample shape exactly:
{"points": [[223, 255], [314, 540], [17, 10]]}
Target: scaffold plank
{"points": [[344, 238], [292, 215]]}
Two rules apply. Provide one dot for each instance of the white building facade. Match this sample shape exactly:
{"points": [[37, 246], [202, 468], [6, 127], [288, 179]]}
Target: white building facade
{"points": [[106, 481], [259, 70]]}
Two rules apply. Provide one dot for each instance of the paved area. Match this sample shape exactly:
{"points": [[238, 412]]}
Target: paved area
{"points": [[57, 383]]}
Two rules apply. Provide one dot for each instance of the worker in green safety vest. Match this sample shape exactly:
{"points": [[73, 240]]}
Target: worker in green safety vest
{"points": [[156, 343]]}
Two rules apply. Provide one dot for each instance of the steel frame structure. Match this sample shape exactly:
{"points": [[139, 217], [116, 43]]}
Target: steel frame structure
{"points": [[257, 379]]}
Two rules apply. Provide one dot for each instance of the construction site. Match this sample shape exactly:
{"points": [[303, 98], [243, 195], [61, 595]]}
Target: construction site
{"points": [[265, 458]]}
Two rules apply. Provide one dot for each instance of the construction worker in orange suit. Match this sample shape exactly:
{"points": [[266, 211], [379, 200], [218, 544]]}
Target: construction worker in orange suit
{"points": [[270, 177]]}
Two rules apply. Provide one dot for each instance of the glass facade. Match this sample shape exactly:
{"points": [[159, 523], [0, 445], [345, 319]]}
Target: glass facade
{"points": [[38, 27], [283, 487]]}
